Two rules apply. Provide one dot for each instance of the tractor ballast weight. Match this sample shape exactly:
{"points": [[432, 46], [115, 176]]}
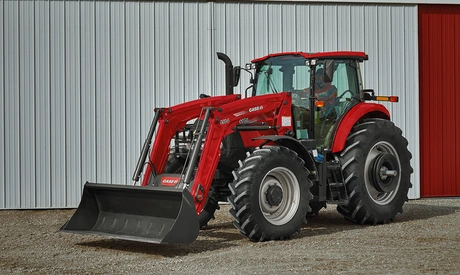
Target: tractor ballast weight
{"points": [[305, 137]]}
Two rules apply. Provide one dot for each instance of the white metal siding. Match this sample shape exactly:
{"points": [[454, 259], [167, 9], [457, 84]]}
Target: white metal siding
{"points": [[80, 79], [2, 111]]}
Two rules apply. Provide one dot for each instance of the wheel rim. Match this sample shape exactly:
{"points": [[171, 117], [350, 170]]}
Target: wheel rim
{"points": [[279, 196], [373, 189]]}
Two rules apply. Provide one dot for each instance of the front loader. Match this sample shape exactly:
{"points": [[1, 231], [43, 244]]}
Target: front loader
{"points": [[307, 136]]}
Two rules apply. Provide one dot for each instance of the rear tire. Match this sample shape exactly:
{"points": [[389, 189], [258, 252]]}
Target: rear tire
{"points": [[270, 194], [374, 150]]}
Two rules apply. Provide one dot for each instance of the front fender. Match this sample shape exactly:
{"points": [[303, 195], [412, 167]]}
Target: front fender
{"points": [[356, 113], [294, 145]]}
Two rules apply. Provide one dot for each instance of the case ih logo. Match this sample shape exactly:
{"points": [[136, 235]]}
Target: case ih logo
{"points": [[169, 181], [224, 121], [257, 108], [244, 121]]}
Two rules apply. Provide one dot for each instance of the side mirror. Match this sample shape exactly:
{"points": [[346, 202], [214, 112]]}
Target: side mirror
{"points": [[236, 75], [369, 94], [328, 70]]}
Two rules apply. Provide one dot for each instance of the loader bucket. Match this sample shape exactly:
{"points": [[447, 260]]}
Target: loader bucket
{"points": [[137, 213]]}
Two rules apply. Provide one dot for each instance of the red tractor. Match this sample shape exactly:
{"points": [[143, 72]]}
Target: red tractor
{"points": [[306, 137]]}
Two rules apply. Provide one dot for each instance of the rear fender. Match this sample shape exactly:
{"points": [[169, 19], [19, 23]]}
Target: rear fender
{"points": [[359, 112], [294, 145]]}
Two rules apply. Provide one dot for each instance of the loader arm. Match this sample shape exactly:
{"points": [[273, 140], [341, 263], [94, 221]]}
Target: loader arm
{"points": [[140, 213], [261, 113], [173, 119]]}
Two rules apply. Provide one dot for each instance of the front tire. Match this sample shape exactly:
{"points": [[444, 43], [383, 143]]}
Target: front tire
{"points": [[376, 168], [270, 194]]}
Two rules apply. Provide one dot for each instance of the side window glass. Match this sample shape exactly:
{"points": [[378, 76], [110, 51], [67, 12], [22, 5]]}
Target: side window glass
{"points": [[345, 80], [301, 77], [337, 97]]}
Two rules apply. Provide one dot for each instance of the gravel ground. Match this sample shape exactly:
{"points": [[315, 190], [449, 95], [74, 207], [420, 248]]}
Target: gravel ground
{"points": [[425, 239]]}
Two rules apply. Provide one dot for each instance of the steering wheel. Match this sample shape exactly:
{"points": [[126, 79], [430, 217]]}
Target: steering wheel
{"points": [[331, 108], [337, 101], [300, 97]]}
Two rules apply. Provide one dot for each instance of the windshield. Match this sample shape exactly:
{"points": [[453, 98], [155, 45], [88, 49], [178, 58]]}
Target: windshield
{"points": [[288, 73], [281, 74]]}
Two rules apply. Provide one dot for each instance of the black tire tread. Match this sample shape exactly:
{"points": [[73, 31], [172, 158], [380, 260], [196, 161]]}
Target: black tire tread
{"points": [[359, 208], [241, 198]]}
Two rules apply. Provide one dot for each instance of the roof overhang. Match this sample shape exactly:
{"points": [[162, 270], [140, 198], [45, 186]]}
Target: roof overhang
{"points": [[321, 55]]}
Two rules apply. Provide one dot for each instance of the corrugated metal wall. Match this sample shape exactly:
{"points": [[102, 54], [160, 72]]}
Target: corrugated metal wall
{"points": [[80, 79], [439, 99]]}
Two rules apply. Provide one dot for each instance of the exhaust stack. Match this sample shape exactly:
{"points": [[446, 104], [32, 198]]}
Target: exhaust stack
{"points": [[229, 82]]}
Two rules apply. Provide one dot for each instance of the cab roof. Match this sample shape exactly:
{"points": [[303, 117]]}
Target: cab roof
{"points": [[320, 55]]}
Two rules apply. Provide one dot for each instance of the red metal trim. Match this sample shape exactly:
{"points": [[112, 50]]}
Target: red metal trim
{"points": [[359, 111], [323, 55]]}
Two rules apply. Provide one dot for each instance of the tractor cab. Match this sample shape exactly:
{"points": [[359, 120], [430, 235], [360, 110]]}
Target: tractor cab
{"points": [[323, 87]]}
